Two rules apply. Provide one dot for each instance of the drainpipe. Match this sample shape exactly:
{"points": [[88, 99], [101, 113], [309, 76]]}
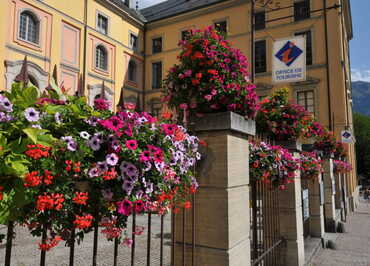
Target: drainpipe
{"points": [[331, 126], [84, 50], [252, 41], [144, 67]]}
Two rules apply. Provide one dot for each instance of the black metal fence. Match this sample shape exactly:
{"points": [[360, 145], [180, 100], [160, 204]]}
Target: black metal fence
{"points": [[141, 252], [266, 241]]}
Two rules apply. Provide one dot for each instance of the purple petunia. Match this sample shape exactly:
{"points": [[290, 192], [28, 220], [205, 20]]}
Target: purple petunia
{"points": [[128, 186], [5, 104], [72, 145], [93, 172], [57, 118], [102, 167], [94, 143], [111, 159], [31, 114], [5, 117]]}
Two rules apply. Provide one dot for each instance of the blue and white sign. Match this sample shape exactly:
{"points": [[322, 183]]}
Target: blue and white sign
{"points": [[289, 60]]}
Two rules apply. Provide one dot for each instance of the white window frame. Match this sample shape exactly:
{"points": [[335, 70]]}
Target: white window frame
{"points": [[38, 27], [99, 29]]}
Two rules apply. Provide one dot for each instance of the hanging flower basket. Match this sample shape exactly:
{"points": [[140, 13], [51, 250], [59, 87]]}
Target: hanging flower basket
{"points": [[282, 120], [211, 77]]}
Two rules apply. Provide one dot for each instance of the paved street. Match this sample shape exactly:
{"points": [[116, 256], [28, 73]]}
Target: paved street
{"points": [[26, 253], [353, 247]]}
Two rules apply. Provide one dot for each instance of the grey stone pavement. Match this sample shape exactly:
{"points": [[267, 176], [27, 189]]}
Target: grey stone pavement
{"points": [[25, 250], [353, 247]]}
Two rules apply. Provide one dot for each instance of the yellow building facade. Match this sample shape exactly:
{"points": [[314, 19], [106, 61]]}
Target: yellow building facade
{"points": [[91, 41]]}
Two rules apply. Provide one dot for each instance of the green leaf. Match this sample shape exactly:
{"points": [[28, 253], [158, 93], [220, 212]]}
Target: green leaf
{"points": [[33, 133], [52, 109], [57, 89]]}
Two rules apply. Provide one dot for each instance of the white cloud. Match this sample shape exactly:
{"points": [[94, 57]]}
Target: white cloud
{"points": [[359, 74], [146, 3]]}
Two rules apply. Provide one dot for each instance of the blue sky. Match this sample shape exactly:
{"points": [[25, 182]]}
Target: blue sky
{"points": [[359, 46]]}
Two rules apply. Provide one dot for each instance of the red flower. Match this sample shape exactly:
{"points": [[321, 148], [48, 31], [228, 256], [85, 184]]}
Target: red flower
{"points": [[213, 72], [44, 202], [131, 144], [77, 168], [82, 222], [198, 75], [1, 193], [81, 198], [48, 178], [32, 179], [58, 200], [195, 82], [187, 205], [37, 151], [50, 243], [109, 175], [197, 55]]}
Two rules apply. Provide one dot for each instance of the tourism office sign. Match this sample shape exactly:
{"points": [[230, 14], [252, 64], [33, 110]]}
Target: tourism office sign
{"points": [[289, 60]]}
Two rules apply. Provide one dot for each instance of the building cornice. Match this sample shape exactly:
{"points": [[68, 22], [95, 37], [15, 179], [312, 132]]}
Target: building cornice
{"points": [[192, 13], [120, 11]]}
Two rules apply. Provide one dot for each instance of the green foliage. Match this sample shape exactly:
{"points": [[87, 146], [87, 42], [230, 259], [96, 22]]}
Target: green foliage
{"points": [[362, 134]]}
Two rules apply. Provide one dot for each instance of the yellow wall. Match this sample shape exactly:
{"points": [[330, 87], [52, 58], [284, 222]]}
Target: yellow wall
{"points": [[237, 14]]}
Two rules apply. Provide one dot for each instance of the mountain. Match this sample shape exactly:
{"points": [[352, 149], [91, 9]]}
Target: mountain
{"points": [[361, 97]]}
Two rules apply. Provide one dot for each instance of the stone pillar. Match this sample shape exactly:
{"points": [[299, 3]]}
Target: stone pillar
{"points": [[329, 205], [222, 220], [317, 226], [338, 188], [291, 217]]}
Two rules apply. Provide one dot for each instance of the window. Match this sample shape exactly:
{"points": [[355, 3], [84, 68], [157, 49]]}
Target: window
{"points": [[134, 41], [101, 58], [132, 69], [306, 99], [156, 75], [308, 46], [185, 35], [301, 9], [29, 27], [221, 26], [260, 56], [102, 24], [259, 20], [157, 45]]}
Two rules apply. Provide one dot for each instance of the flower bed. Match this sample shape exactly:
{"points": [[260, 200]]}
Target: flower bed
{"points": [[272, 164], [71, 166], [211, 77]]}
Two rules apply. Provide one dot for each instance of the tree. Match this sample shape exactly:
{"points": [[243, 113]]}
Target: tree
{"points": [[362, 133]]}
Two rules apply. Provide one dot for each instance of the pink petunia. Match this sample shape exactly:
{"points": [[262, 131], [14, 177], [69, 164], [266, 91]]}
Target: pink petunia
{"points": [[124, 207], [131, 144]]}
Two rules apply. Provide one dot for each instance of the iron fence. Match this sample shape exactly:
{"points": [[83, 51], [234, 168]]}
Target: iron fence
{"points": [[141, 252]]}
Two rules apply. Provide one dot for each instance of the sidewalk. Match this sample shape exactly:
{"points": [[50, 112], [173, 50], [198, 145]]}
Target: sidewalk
{"points": [[353, 247]]}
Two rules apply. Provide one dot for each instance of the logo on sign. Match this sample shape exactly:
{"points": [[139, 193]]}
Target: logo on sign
{"points": [[289, 53], [346, 134]]}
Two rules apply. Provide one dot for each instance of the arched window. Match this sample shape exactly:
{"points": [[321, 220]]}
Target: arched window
{"points": [[132, 69], [101, 57], [29, 27]]}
